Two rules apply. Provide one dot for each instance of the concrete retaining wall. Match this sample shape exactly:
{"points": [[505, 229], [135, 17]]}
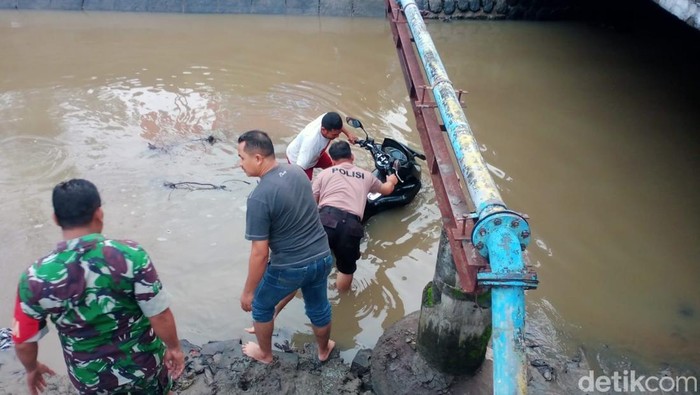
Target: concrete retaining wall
{"points": [[501, 9], [291, 7], [686, 10], [432, 9]]}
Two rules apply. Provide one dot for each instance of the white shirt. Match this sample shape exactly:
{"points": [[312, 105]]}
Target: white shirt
{"points": [[308, 145]]}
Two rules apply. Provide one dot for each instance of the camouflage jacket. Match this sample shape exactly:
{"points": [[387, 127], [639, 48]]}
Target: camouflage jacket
{"points": [[99, 293]]}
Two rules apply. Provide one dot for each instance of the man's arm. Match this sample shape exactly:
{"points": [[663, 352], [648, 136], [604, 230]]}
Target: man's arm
{"points": [[388, 186], [257, 264], [352, 138], [316, 187], [26, 332], [27, 354], [154, 302], [163, 325]]}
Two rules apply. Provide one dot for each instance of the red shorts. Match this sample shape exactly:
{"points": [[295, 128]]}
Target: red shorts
{"points": [[324, 162]]}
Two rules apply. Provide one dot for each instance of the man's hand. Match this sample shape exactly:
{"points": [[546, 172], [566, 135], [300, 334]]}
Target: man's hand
{"points": [[247, 301], [388, 186], [174, 361], [351, 137], [27, 354], [393, 178], [35, 378]]}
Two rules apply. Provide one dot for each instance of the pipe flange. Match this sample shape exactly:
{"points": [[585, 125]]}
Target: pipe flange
{"points": [[514, 222]]}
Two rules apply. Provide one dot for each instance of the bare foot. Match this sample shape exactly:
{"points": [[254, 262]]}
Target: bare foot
{"points": [[250, 330], [323, 357], [253, 350]]}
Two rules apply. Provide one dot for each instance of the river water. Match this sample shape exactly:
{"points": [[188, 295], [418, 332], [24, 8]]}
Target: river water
{"points": [[590, 131]]}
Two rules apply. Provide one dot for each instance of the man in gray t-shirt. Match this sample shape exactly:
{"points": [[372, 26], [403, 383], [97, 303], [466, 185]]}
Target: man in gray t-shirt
{"points": [[280, 212], [283, 224]]}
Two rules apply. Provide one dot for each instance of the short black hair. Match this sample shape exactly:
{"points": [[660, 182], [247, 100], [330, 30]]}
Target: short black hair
{"points": [[332, 121], [257, 141], [75, 202], [340, 150]]}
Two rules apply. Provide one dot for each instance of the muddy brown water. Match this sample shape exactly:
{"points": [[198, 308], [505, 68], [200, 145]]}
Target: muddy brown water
{"points": [[588, 131]]}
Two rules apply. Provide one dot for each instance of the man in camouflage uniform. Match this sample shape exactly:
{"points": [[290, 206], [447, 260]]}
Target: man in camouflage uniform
{"points": [[107, 302]]}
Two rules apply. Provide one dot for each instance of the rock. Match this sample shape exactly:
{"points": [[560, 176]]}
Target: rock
{"points": [[208, 376], [284, 346], [228, 361], [449, 7], [474, 5], [197, 366], [544, 368], [367, 382], [435, 6], [361, 363], [185, 381], [188, 347], [289, 360], [212, 348], [397, 368]]}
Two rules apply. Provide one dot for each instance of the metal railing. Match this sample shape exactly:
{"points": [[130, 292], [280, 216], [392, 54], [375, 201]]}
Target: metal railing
{"points": [[499, 235]]}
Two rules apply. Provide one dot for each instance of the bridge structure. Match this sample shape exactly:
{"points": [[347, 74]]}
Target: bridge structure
{"points": [[485, 240], [685, 10]]}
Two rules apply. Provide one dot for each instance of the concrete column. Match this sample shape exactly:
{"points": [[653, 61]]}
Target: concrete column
{"points": [[454, 327]]}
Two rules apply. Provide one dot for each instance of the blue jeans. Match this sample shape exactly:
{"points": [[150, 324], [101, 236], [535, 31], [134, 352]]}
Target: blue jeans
{"points": [[278, 283]]}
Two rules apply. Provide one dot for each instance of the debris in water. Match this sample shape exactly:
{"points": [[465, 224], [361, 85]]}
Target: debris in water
{"points": [[192, 185]]}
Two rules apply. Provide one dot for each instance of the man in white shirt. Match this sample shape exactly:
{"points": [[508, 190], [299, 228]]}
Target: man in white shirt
{"points": [[308, 149]]}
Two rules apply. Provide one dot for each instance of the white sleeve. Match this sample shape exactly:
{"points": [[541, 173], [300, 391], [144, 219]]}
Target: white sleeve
{"points": [[307, 157], [311, 145]]}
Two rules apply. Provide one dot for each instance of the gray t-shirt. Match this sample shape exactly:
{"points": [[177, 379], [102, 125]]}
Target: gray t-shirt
{"points": [[282, 210]]}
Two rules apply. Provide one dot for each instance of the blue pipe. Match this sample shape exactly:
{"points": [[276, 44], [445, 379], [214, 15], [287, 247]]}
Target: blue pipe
{"points": [[477, 178], [508, 316], [500, 234]]}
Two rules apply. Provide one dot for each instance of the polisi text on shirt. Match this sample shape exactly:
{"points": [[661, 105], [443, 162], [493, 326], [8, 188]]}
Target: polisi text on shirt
{"points": [[356, 174]]}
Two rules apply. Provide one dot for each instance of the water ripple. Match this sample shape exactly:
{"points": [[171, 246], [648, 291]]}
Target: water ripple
{"points": [[30, 159]]}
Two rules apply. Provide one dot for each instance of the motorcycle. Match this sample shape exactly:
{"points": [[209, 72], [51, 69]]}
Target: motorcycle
{"points": [[390, 157]]}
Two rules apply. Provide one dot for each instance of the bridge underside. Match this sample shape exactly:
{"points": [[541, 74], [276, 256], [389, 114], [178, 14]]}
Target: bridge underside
{"points": [[685, 10]]}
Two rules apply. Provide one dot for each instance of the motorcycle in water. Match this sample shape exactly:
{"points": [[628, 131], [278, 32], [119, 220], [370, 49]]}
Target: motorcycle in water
{"points": [[390, 157]]}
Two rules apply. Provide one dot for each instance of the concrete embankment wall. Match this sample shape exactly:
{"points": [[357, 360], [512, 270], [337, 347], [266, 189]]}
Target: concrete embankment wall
{"points": [[687, 10], [290, 7], [467, 9]]}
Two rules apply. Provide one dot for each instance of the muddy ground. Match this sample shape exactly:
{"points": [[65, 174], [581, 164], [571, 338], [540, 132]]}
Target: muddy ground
{"points": [[393, 367], [221, 368]]}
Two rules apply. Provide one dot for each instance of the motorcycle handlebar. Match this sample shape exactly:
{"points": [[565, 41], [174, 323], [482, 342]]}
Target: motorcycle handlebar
{"points": [[370, 146], [389, 167], [362, 143]]}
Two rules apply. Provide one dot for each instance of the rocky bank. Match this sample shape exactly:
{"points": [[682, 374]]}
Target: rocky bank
{"points": [[392, 367]]}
